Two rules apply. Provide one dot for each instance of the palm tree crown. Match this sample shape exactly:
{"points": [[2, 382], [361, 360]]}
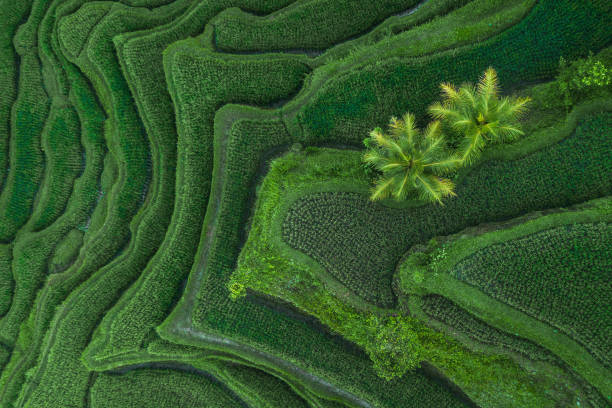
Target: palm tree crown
{"points": [[412, 162], [479, 115]]}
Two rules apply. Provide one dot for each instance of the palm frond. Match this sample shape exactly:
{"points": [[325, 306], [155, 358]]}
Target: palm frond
{"points": [[502, 106], [463, 123], [433, 130], [396, 127], [445, 186], [382, 189], [449, 92], [433, 188], [471, 148], [375, 157], [488, 86], [445, 165], [384, 141], [467, 95], [517, 107], [414, 161], [403, 187], [509, 133], [377, 136], [409, 123], [433, 140], [391, 165], [442, 111]]}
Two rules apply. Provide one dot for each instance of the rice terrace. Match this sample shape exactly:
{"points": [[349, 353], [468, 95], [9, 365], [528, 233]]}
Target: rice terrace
{"points": [[305, 203]]}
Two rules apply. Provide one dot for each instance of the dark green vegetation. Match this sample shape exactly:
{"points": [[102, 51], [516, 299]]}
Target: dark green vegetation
{"points": [[137, 195], [159, 388], [426, 271], [571, 171], [570, 292]]}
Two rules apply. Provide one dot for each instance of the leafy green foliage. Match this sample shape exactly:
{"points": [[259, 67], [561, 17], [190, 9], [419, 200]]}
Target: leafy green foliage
{"points": [[128, 145], [478, 115], [360, 242], [66, 251], [411, 161], [210, 312], [139, 313], [335, 359], [395, 347], [63, 165], [458, 320], [267, 266], [582, 77], [26, 160], [6, 279], [82, 220], [261, 389], [145, 304], [12, 16]]}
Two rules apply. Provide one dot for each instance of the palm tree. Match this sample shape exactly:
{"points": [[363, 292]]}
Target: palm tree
{"points": [[412, 162], [479, 115]]}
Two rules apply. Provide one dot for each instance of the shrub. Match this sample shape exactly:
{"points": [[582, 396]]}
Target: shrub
{"points": [[582, 77], [394, 347]]}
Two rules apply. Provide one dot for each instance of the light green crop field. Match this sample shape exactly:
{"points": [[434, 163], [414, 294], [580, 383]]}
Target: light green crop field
{"points": [[186, 220]]}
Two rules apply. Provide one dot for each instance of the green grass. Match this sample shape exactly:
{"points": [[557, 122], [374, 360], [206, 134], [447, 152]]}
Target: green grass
{"points": [[259, 268], [33, 249], [66, 251], [277, 77], [444, 311], [28, 118], [63, 165], [74, 29], [128, 145], [569, 264], [6, 279], [233, 200], [127, 165], [146, 302], [74, 325], [347, 106], [223, 248], [11, 15], [153, 388], [258, 388], [279, 273], [421, 275], [303, 25], [368, 238], [206, 309], [445, 315]]}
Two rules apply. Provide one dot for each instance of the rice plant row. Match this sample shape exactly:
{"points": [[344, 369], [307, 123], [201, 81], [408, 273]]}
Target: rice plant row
{"points": [[458, 320], [560, 276], [351, 237], [122, 174]]}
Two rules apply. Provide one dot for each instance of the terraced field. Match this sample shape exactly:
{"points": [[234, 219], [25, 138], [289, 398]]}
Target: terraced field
{"points": [[185, 222]]}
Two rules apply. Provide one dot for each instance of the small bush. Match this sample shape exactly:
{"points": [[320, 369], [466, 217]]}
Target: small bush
{"points": [[582, 77]]}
